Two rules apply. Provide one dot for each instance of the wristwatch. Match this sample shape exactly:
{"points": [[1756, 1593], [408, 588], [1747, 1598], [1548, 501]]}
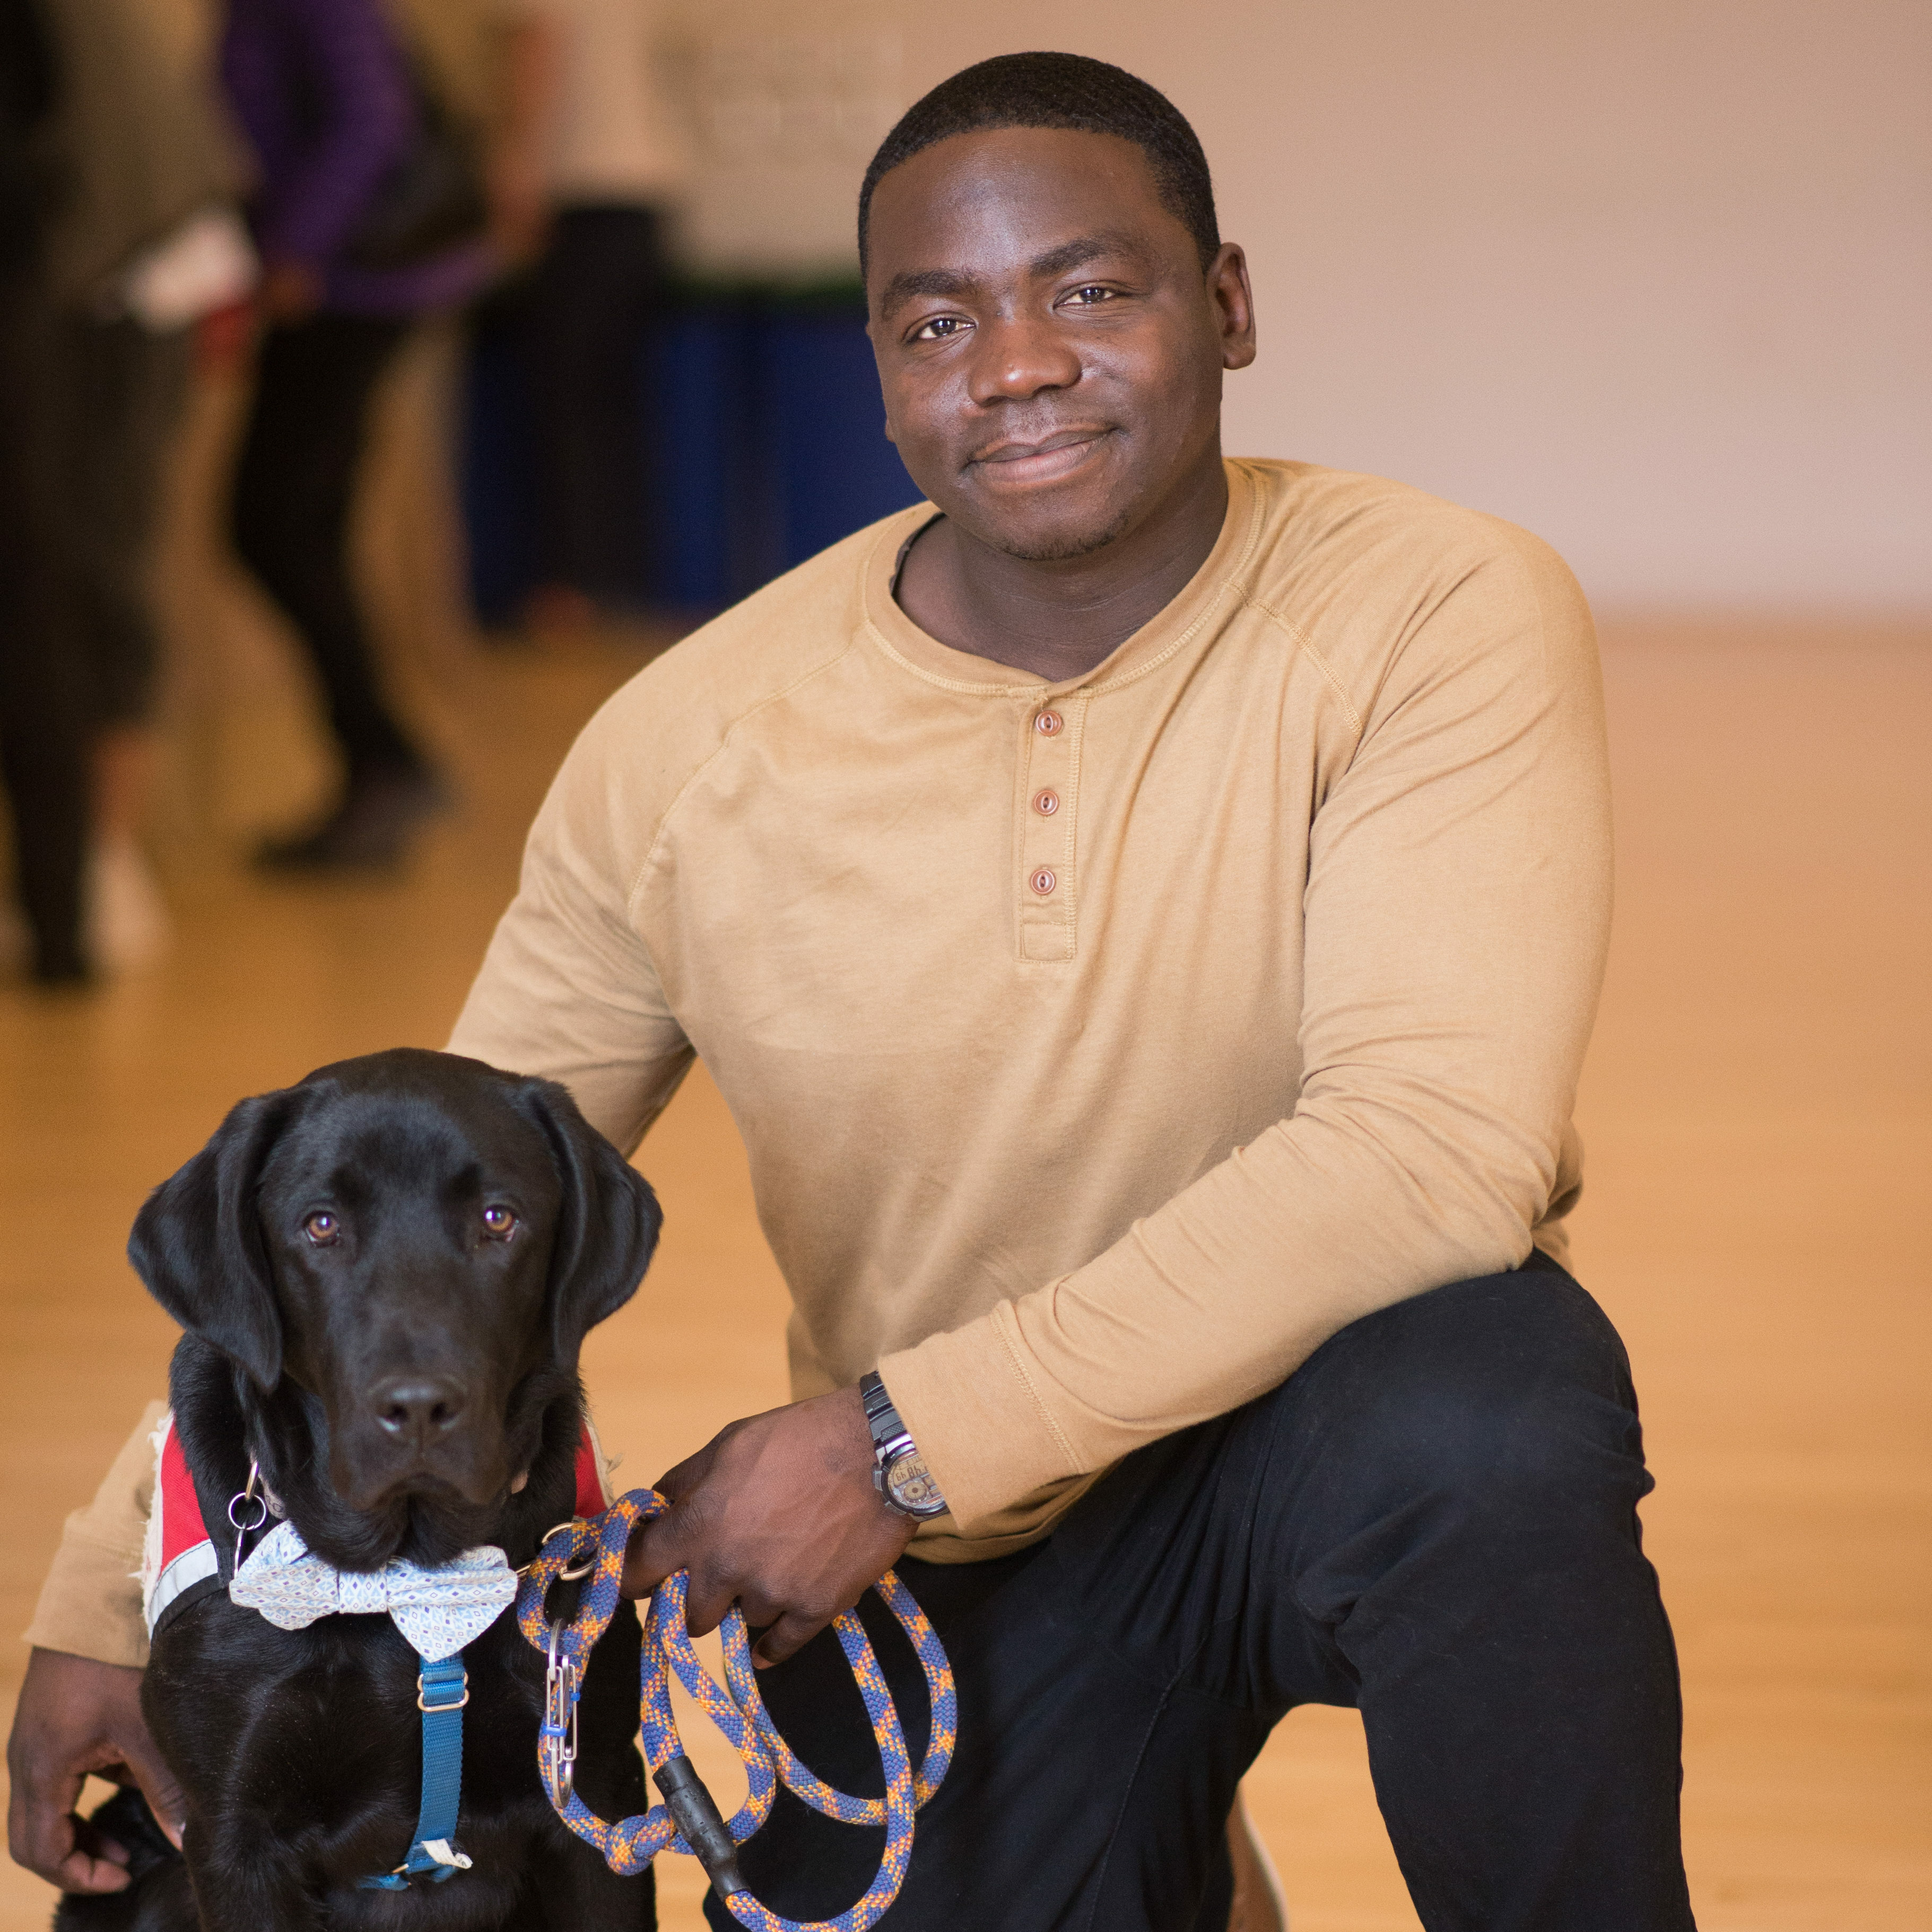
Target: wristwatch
{"points": [[899, 1473]]}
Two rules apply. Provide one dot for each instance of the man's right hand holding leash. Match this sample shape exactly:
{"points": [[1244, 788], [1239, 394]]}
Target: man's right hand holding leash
{"points": [[779, 1512]]}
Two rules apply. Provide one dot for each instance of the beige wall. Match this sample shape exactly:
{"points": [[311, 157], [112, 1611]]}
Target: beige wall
{"points": [[1654, 279]]}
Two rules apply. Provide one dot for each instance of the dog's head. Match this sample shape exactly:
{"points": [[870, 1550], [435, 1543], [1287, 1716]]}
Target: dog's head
{"points": [[415, 1246]]}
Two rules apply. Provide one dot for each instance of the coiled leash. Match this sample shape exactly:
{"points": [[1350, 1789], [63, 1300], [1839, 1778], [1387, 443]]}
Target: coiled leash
{"points": [[688, 1820]]}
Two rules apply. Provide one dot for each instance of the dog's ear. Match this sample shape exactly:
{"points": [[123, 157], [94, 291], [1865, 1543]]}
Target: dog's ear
{"points": [[197, 1242], [606, 1226]]}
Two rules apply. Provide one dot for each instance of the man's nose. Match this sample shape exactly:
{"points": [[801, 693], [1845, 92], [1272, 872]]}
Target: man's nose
{"points": [[418, 1409], [1020, 356]]}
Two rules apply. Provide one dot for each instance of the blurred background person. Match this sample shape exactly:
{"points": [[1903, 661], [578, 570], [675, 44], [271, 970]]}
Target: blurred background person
{"points": [[593, 179], [141, 239], [370, 211], [42, 735], [146, 241]]}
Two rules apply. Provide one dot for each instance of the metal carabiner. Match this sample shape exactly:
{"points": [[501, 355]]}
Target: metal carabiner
{"points": [[556, 1735]]}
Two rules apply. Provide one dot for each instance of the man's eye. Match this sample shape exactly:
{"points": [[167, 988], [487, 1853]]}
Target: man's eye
{"points": [[1088, 298], [323, 1229], [939, 329], [500, 1221]]}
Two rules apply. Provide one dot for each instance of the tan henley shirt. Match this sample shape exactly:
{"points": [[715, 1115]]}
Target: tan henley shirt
{"points": [[1100, 1047]]}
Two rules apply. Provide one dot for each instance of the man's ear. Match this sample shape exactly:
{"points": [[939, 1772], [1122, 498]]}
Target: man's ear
{"points": [[197, 1242], [606, 1226]]}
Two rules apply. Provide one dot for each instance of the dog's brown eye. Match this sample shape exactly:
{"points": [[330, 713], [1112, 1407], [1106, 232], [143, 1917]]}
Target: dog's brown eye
{"points": [[500, 1221], [323, 1229]]}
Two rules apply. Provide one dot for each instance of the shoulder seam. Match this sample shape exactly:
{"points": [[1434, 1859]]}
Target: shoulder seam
{"points": [[1308, 651], [645, 864]]}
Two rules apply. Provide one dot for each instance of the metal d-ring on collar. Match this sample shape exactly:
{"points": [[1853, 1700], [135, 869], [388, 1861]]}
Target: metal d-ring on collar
{"points": [[240, 1502]]}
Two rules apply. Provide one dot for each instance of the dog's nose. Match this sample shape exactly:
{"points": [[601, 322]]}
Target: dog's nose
{"points": [[418, 1407]]}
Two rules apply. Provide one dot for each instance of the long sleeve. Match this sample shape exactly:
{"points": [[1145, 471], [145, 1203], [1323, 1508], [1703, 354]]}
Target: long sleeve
{"points": [[567, 989], [90, 1603], [1457, 912]]}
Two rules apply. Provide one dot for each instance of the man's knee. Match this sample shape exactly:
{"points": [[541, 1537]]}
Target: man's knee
{"points": [[1504, 1402]]}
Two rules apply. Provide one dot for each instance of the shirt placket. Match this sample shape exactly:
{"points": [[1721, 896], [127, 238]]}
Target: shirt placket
{"points": [[1047, 882]]}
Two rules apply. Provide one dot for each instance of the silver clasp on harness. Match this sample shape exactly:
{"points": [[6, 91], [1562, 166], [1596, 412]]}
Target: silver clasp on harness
{"points": [[556, 1736], [241, 1502]]}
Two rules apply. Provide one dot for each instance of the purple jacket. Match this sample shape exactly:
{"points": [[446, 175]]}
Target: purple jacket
{"points": [[321, 90]]}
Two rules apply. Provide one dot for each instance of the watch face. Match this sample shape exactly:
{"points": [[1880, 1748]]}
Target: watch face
{"points": [[910, 1484]]}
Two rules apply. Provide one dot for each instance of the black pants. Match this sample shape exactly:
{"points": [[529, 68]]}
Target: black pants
{"points": [[117, 393], [588, 304], [294, 488], [90, 410], [1434, 1520]]}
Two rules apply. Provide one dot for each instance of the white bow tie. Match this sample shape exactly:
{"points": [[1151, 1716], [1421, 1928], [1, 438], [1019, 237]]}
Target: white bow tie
{"points": [[440, 1610]]}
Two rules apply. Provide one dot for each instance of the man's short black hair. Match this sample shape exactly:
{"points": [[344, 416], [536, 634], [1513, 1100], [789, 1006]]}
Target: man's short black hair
{"points": [[1060, 91]]}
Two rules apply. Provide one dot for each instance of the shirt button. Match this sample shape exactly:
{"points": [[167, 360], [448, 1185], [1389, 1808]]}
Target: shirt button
{"points": [[1048, 723], [1042, 882], [1047, 803]]}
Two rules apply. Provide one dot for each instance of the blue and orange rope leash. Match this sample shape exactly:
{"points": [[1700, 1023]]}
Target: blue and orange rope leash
{"points": [[688, 1821]]}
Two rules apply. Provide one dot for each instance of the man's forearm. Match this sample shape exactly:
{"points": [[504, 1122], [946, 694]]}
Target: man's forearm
{"points": [[90, 1604]]}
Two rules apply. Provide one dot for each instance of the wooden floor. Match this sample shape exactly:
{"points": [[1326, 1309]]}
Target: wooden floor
{"points": [[1756, 1115]]}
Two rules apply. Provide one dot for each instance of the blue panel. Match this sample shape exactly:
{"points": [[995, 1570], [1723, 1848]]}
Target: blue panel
{"points": [[688, 443], [494, 468], [836, 472], [764, 442]]}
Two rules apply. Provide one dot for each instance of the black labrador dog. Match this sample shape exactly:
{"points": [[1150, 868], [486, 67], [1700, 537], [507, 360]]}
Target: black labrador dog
{"points": [[385, 1274]]}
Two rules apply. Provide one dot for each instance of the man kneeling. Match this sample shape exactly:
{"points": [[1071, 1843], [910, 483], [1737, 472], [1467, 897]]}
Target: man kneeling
{"points": [[1145, 912]]}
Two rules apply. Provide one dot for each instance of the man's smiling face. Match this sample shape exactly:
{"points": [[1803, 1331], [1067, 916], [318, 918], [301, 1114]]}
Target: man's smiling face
{"points": [[1050, 348]]}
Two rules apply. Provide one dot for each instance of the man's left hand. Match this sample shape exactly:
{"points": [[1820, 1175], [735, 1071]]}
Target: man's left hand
{"points": [[777, 1512]]}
